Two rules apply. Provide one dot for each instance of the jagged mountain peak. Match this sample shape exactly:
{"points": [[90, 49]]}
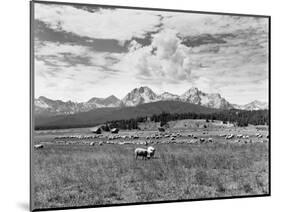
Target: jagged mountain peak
{"points": [[142, 89], [212, 100], [142, 95], [254, 105], [193, 89], [139, 96]]}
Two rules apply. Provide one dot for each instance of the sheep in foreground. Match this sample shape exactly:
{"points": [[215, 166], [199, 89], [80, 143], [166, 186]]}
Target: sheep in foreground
{"points": [[151, 151], [141, 152], [145, 153]]}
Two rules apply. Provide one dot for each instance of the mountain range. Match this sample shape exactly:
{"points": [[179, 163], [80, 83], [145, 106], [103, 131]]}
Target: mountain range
{"points": [[139, 96], [108, 114]]}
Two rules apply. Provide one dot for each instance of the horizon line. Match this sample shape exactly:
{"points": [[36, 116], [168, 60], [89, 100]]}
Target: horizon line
{"points": [[70, 100]]}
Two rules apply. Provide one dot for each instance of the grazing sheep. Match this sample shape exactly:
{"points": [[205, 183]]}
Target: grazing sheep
{"points": [[151, 151], [142, 152], [202, 140], [210, 140], [92, 144], [239, 136], [193, 141], [229, 136], [38, 146], [100, 143]]}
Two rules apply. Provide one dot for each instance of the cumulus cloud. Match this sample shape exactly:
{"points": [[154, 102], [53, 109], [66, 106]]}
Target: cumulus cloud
{"points": [[119, 24], [216, 53], [165, 60]]}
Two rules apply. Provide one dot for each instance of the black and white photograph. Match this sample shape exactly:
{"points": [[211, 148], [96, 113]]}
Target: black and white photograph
{"points": [[143, 105]]}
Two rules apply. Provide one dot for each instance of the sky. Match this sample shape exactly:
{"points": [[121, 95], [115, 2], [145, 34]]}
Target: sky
{"points": [[82, 52]]}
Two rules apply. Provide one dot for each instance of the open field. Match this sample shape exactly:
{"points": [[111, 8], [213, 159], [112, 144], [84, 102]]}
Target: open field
{"points": [[70, 172]]}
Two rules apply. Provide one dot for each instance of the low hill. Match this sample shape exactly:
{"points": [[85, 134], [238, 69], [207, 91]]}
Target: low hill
{"points": [[102, 115]]}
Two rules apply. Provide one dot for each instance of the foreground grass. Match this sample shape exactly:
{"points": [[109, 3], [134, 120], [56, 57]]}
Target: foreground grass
{"points": [[82, 175]]}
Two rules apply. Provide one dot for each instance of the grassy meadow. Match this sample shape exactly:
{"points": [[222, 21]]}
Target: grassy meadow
{"points": [[79, 175]]}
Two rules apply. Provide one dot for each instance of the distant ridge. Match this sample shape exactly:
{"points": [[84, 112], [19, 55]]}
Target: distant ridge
{"points": [[138, 96], [254, 105]]}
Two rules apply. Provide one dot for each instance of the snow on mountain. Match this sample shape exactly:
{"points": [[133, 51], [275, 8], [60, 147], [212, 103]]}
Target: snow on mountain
{"points": [[212, 100], [194, 95], [139, 96], [111, 101], [168, 96], [45, 105], [40, 103], [254, 105]]}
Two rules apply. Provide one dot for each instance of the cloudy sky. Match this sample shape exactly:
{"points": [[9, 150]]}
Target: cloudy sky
{"points": [[85, 52]]}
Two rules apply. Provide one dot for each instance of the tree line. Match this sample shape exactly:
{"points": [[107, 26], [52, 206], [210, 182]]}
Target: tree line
{"points": [[240, 118]]}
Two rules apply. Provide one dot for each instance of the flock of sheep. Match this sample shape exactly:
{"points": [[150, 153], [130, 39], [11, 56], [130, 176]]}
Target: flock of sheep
{"points": [[154, 138]]}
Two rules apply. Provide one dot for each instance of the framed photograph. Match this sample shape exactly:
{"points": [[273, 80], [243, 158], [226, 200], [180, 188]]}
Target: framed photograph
{"points": [[134, 105]]}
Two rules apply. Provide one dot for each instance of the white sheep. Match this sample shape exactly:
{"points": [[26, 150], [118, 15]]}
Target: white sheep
{"points": [[151, 151], [142, 152]]}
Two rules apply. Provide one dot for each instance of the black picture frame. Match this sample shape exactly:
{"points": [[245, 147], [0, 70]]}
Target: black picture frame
{"points": [[31, 108]]}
